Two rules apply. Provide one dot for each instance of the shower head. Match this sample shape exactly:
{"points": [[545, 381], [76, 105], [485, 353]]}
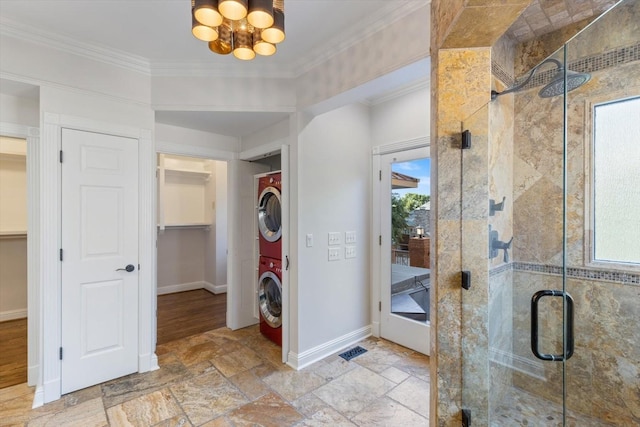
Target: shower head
{"points": [[555, 86]]}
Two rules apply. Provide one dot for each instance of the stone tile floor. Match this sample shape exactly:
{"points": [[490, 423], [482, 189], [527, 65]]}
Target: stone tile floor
{"points": [[225, 378]]}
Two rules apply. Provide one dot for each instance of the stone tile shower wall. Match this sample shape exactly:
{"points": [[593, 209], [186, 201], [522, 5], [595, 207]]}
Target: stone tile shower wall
{"points": [[604, 373]]}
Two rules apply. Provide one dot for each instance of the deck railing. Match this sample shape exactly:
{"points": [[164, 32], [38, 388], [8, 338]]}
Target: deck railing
{"points": [[400, 257]]}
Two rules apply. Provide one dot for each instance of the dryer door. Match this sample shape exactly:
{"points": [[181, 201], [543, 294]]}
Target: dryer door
{"points": [[270, 214], [270, 299]]}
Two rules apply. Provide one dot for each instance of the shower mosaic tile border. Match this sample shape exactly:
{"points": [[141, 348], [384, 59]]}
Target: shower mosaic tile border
{"points": [[502, 75], [572, 272], [611, 58]]}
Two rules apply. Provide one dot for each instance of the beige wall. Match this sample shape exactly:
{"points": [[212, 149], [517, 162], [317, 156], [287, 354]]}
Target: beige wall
{"points": [[602, 375], [13, 227]]}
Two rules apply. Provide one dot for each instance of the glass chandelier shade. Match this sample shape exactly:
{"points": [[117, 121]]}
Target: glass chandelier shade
{"points": [[244, 27]]}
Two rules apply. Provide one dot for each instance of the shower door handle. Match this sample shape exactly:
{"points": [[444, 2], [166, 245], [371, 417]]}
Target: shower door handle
{"points": [[568, 348]]}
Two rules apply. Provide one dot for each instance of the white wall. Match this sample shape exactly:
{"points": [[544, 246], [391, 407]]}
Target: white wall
{"points": [[19, 110], [272, 136], [401, 118], [221, 226], [173, 139], [46, 66], [222, 94], [334, 196]]}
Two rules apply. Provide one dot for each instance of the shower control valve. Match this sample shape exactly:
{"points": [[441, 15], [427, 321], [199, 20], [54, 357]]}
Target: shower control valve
{"points": [[495, 245]]}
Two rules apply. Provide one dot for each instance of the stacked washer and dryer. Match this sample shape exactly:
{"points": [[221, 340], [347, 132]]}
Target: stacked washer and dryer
{"points": [[270, 262]]}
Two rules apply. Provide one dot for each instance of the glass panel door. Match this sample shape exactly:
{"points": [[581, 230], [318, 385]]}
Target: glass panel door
{"points": [[512, 230], [550, 331], [405, 269]]}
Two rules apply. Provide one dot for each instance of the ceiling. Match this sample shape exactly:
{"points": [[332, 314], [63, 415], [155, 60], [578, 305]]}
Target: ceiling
{"points": [[154, 37]]}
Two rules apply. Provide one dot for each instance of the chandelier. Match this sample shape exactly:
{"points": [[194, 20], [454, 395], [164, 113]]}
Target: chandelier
{"points": [[244, 27]]}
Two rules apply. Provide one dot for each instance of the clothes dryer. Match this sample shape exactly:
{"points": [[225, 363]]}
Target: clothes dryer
{"points": [[270, 298], [270, 215]]}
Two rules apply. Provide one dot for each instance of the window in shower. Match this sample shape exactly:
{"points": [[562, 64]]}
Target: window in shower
{"points": [[616, 181]]}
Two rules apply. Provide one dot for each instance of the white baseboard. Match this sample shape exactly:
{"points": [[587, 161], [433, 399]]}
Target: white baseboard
{"points": [[216, 289], [38, 397], [306, 358], [33, 374], [13, 314], [191, 286]]}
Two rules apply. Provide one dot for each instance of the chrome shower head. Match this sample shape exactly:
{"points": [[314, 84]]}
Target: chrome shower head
{"points": [[556, 86]]}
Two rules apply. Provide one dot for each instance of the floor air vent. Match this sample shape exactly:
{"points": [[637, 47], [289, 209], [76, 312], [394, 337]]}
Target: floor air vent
{"points": [[350, 354]]}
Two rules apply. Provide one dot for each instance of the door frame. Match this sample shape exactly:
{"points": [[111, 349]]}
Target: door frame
{"points": [[376, 221], [32, 136], [50, 233], [248, 155]]}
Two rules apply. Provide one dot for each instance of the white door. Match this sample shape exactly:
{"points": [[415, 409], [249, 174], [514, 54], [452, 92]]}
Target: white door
{"points": [[242, 297], [99, 258], [405, 288]]}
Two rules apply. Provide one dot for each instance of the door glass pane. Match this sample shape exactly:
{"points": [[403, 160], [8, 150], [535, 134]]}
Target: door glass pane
{"points": [[410, 238]]}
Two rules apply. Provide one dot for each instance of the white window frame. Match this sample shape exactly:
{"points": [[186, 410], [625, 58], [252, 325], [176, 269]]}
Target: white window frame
{"points": [[589, 195]]}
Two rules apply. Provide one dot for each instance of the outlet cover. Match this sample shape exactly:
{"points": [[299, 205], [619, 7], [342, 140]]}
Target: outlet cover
{"points": [[334, 254]]}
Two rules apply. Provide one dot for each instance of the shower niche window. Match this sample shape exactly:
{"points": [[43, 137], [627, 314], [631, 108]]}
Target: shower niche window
{"points": [[615, 205]]}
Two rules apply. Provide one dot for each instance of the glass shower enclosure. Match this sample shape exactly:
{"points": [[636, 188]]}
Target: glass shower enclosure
{"points": [[551, 238]]}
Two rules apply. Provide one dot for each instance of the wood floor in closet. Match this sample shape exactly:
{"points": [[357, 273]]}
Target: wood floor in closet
{"points": [[189, 313], [13, 352]]}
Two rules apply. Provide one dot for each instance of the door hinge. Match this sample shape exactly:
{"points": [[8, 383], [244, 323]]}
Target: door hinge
{"points": [[60, 156], [466, 279], [380, 175], [466, 418], [466, 140], [61, 254], [60, 353], [379, 305], [380, 240]]}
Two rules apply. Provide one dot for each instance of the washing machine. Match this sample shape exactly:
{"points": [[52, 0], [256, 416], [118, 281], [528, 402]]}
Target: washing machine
{"points": [[270, 298], [270, 215]]}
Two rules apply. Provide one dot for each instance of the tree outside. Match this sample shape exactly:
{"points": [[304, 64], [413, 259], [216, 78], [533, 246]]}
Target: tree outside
{"points": [[401, 207]]}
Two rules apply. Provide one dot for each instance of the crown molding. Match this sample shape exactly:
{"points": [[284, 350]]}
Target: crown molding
{"points": [[356, 34], [201, 69], [401, 91], [94, 52]]}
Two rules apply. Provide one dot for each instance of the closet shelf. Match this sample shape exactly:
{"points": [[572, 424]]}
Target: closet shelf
{"points": [[187, 225], [187, 173], [13, 234]]}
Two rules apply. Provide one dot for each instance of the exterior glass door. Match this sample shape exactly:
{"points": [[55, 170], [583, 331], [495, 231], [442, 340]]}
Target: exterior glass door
{"points": [[405, 266]]}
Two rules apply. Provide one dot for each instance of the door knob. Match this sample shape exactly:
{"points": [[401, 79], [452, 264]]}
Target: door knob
{"points": [[129, 268]]}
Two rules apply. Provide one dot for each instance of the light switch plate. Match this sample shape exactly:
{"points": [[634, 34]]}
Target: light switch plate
{"points": [[334, 238], [334, 254], [309, 240], [349, 237], [349, 252]]}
